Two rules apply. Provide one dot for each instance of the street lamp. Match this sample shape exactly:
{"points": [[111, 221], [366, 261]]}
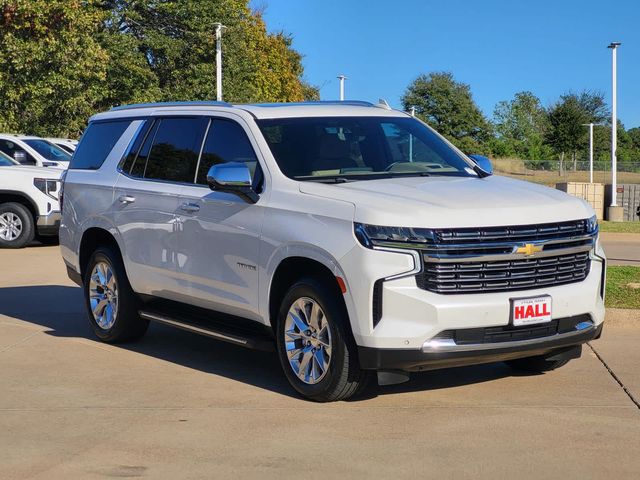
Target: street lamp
{"points": [[219, 29], [614, 125], [342, 78], [591, 125]]}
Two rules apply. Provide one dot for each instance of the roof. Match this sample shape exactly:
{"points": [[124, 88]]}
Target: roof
{"points": [[263, 110]]}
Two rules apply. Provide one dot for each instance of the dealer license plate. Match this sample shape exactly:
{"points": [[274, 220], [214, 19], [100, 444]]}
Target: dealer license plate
{"points": [[529, 311]]}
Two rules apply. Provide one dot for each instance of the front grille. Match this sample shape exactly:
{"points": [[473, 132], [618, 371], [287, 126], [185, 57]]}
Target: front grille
{"points": [[497, 276], [509, 333], [527, 233], [481, 260]]}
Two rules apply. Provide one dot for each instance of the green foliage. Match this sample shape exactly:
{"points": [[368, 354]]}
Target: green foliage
{"points": [[52, 66], [567, 117], [63, 60], [448, 106], [520, 125]]}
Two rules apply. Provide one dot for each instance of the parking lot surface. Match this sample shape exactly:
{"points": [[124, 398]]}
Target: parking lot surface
{"points": [[176, 405]]}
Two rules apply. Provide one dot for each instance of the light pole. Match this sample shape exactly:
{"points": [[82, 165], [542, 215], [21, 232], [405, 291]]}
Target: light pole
{"points": [[342, 78], [614, 124], [591, 125], [219, 29]]}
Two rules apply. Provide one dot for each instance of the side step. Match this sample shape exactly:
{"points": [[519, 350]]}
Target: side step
{"points": [[225, 333]]}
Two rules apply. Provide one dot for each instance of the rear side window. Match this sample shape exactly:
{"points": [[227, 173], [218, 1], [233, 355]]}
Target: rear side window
{"points": [[175, 149], [226, 142], [96, 144], [131, 165]]}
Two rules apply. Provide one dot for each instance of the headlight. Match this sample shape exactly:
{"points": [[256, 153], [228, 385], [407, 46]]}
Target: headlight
{"points": [[591, 226], [47, 186], [372, 236]]}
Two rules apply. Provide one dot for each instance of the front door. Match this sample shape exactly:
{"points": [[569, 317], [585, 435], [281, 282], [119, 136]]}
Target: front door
{"points": [[220, 232]]}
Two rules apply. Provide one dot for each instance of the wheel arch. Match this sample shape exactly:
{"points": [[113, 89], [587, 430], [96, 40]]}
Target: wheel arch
{"points": [[291, 269], [7, 196], [93, 238]]}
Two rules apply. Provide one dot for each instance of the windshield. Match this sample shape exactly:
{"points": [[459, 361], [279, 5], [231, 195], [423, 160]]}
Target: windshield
{"points": [[48, 150], [359, 148]]}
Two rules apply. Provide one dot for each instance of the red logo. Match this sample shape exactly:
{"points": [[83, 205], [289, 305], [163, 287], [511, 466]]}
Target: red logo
{"points": [[531, 311]]}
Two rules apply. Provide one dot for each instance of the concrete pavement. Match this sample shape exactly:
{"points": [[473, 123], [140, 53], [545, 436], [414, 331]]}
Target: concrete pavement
{"points": [[175, 405], [621, 248]]}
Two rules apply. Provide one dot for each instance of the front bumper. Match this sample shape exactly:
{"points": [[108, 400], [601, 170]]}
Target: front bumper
{"points": [[447, 354], [49, 224]]}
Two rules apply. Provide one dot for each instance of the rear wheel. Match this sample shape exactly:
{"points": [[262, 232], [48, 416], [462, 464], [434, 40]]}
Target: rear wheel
{"points": [[112, 306], [316, 351], [17, 227]]}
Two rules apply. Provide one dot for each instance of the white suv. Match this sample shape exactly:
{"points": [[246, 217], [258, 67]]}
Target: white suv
{"points": [[33, 151], [29, 205], [352, 237]]}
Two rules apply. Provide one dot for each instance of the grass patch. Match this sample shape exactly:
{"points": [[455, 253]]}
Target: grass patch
{"points": [[619, 227], [619, 294]]}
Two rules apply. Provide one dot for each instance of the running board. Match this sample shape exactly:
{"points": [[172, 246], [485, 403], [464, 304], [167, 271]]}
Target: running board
{"points": [[210, 329]]}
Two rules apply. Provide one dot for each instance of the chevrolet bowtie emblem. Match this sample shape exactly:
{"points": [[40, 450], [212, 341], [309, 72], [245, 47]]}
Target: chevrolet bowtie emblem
{"points": [[529, 249]]}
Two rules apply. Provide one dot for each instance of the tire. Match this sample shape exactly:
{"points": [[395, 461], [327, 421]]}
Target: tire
{"points": [[117, 321], [340, 377], [536, 364], [17, 227]]}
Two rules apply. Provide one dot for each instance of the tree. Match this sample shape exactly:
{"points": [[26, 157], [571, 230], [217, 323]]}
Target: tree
{"points": [[63, 60], [448, 106], [52, 68], [521, 125], [175, 38], [567, 117]]}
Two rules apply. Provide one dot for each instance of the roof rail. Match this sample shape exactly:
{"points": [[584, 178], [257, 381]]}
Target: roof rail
{"points": [[356, 103], [204, 103]]}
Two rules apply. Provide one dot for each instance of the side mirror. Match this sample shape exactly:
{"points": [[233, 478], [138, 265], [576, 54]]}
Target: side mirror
{"points": [[232, 177], [483, 164]]}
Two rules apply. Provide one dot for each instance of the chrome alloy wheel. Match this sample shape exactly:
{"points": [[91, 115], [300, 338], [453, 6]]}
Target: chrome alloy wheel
{"points": [[307, 338], [10, 226], [103, 295]]}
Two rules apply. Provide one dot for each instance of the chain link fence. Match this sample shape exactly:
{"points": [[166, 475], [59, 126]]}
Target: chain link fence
{"points": [[549, 172]]}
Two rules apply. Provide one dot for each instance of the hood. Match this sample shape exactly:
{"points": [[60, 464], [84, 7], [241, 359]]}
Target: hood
{"points": [[445, 202], [42, 172]]}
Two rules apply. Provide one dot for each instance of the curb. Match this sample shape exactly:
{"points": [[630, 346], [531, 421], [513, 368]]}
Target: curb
{"points": [[622, 318]]}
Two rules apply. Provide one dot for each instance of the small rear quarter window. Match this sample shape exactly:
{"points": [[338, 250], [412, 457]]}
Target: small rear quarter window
{"points": [[96, 143]]}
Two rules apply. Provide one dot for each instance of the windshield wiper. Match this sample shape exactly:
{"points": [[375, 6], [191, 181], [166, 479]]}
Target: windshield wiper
{"points": [[409, 174], [324, 179]]}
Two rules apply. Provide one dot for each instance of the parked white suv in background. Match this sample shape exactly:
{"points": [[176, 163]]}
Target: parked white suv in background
{"points": [[351, 236], [34, 151], [28, 203], [67, 144]]}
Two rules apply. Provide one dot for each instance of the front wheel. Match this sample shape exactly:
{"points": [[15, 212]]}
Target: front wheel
{"points": [[112, 305], [316, 351], [16, 225]]}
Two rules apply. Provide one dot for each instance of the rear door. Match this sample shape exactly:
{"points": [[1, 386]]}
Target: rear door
{"points": [[147, 192], [219, 237]]}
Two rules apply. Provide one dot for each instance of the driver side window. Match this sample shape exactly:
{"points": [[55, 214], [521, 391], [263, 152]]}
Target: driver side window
{"points": [[226, 142]]}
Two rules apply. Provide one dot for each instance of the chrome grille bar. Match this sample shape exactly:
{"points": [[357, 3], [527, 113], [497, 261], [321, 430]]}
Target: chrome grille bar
{"points": [[487, 260]]}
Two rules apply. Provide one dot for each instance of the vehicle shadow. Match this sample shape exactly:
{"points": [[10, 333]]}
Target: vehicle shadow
{"points": [[60, 309]]}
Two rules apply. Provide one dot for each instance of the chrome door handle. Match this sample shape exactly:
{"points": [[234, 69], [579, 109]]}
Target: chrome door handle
{"points": [[126, 199], [190, 207]]}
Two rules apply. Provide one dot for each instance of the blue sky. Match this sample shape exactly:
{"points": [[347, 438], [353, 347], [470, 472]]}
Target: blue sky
{"points": [[497, 47]]}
